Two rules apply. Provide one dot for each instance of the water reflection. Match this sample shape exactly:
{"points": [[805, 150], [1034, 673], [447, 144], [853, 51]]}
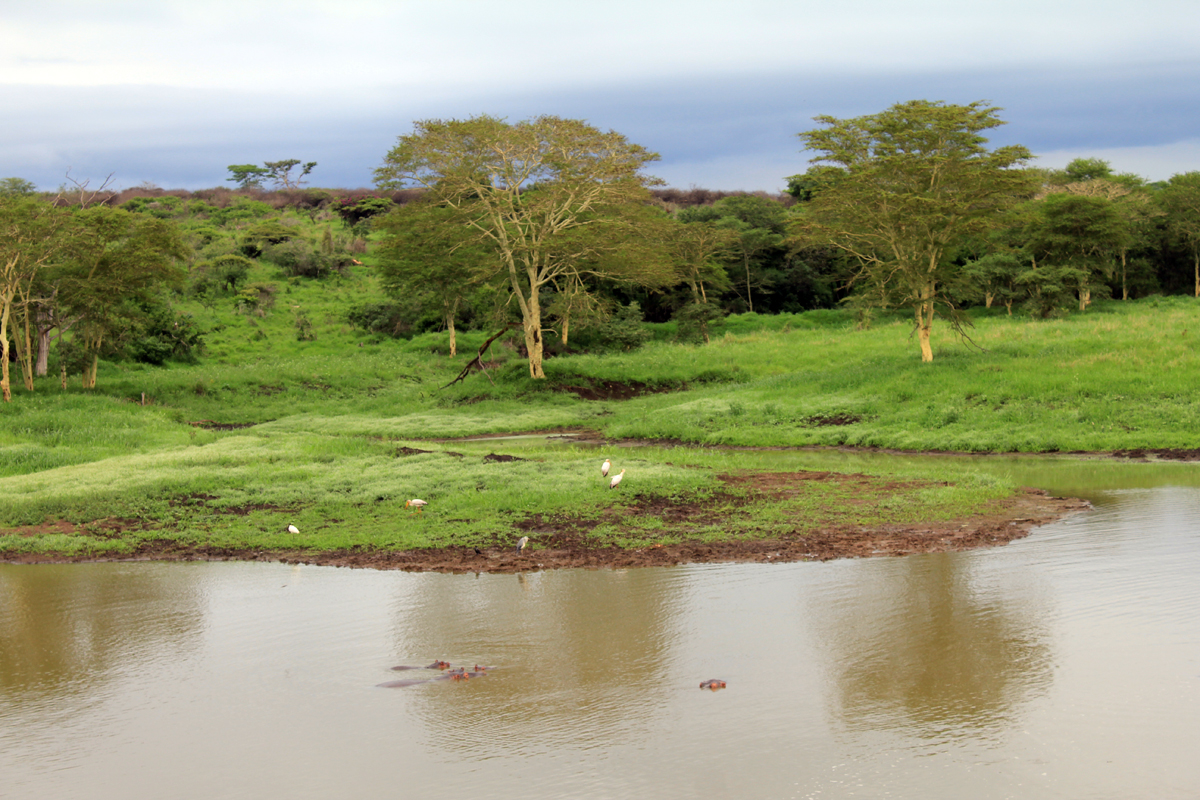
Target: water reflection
{"points": [[66, 629], [572, 660], [921, 648]]}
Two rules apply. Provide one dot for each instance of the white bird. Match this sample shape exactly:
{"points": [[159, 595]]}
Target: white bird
{"points": [[616, 479], [292, 529], [415, 504], [605, 467], [521, 543]]}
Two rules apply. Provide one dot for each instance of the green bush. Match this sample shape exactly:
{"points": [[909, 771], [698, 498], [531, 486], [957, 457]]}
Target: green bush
{"points": [[298, 259]]}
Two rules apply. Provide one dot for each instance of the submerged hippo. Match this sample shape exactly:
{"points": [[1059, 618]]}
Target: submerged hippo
{"points": [[434, 665], [713, 684]]}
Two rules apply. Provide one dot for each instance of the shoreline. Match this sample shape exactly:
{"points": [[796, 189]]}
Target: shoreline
{"points": [[558, 546]]}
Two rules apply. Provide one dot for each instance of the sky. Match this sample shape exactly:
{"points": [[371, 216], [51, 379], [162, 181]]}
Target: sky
{"points": [[171, 92]]}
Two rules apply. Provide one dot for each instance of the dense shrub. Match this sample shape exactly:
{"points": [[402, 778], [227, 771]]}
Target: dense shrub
{"points": [[298, 259], [162, 335], [224, 272], [354, 209], [388, 318], [240, 209], [256, 239]]}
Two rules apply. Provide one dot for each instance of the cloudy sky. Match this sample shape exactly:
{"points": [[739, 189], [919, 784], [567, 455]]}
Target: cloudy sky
{"points": [[173, 91]]}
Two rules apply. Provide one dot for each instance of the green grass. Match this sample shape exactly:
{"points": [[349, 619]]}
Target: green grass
{"points": [[333, 414], [348, 492]]}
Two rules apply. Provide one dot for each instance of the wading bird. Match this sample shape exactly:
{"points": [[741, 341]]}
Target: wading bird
{"points": [[292, 529], [616, 479], [415, 504], [522, 543], [605, 467]]}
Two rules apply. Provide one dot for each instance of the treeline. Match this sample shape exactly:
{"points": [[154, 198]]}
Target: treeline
{"points": [[562, 236]]}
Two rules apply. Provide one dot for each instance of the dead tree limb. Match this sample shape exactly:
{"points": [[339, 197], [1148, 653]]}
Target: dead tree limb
{"points": [[477, 361]]}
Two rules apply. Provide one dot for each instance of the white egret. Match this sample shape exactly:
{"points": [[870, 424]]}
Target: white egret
{"points": [[292, 529]]}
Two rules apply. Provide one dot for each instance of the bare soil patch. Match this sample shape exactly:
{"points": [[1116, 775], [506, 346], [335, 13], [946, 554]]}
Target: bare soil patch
{"points": [[615, 390]]}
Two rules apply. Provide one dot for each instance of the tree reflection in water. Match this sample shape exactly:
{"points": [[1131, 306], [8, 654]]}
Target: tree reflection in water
{"points": [[67, 628], [573, 659], [924, 649]]}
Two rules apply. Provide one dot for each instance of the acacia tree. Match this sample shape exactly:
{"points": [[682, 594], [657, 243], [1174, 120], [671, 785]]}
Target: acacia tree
{"points": [[251, 176], [700, 251], [1085, 234], [430, 256], [281, 172], [1126, 196], [247, 176], [29, 239], [532, 190], [901, 190], [116, 258]]}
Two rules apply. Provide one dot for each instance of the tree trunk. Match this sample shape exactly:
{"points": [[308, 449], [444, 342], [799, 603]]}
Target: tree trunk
{"points": [[5, 389], [987, 299], [1196, 256], [25, 351], [5, 312], [1124, 282], [531, 312], [532, 325], [924, 326], [566, 321], [533, 341], [89, 373], [43, 354], [451, 310]]}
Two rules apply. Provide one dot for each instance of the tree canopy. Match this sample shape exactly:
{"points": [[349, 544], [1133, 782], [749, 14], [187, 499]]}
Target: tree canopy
{"points": [[902, 190], [554, 199]]}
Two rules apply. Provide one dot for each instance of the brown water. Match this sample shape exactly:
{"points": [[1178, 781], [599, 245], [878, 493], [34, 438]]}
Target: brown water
{"points": [[1063, 665]]}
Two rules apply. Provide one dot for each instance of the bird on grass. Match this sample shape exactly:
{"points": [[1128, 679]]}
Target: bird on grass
{"points": [[417, 504], [616, 480], [522, 543], [605, 467], [292, 529]]}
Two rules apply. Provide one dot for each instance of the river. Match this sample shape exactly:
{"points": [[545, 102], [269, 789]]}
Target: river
{"points": [[1066, 664]]}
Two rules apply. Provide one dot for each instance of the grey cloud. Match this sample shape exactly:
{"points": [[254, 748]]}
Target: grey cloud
{"points": [[705, 128]]}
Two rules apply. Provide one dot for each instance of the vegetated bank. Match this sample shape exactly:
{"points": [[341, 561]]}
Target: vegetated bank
{"points": [[337, 443]]}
